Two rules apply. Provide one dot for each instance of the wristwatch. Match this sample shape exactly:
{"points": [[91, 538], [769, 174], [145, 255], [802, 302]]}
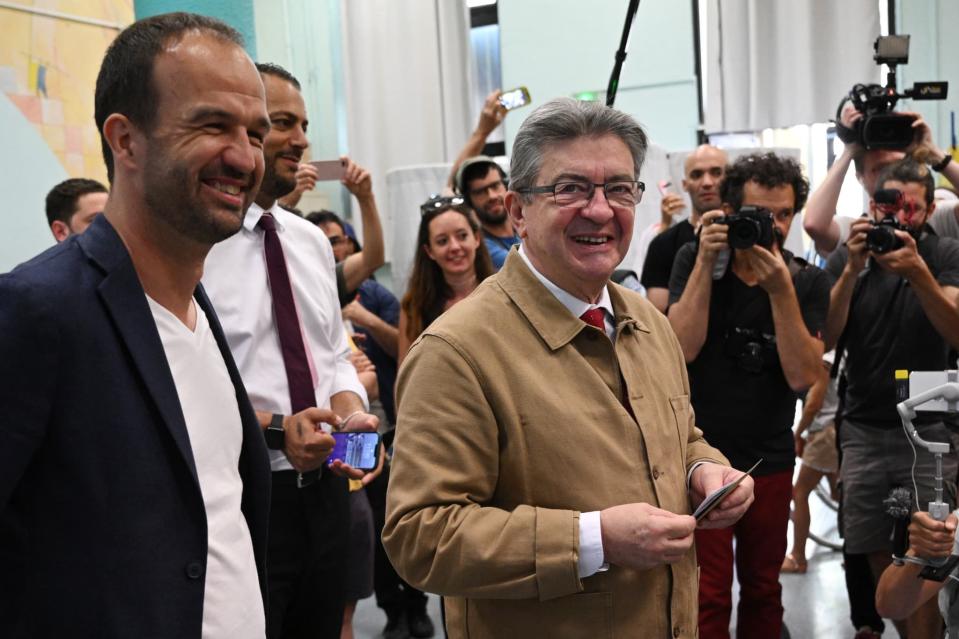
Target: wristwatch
{"points": [[274, 434], [941, 164]]}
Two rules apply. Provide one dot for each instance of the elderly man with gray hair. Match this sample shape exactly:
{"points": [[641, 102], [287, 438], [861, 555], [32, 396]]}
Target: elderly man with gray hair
{"points": [[543, 483]]}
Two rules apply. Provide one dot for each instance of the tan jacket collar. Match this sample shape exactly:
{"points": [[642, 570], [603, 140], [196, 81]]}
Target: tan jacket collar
{"points": [[545, 313]]}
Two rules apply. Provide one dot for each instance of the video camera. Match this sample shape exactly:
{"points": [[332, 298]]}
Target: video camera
{"points": [[882, 237], [880, 127], [749, 226]]}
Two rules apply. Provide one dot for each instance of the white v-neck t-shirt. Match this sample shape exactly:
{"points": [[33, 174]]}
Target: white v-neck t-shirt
{"points": [[232, 602]]}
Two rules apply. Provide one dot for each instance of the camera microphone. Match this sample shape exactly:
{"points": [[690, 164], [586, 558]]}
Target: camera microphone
{"points": [[898, 505]]}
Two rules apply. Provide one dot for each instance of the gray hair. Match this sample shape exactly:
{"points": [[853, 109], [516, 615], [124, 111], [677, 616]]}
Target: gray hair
{"points": [[565, 119]]}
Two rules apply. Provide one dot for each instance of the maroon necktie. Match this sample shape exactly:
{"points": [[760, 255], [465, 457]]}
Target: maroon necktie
{"points": [[595, 317], [298, 376]]}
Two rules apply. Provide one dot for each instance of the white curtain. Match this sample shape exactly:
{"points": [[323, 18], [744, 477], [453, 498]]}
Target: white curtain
{"points": [[407, 79], [777, 63]]}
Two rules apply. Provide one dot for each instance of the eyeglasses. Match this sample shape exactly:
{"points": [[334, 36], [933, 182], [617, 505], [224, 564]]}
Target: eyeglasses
{"points": [[493, 186], [438, 202], [623, 193]]}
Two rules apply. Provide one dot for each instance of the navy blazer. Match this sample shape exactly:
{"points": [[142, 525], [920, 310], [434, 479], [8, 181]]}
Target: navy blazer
{"points": [[102, 526]]}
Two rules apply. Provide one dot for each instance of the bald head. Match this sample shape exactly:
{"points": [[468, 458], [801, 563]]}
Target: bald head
{"points": [[705, 167]]}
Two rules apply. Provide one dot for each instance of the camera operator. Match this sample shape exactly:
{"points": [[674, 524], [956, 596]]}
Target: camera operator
{"points": [[893, 306], [751, 343], [901, 591], [820, 221]]}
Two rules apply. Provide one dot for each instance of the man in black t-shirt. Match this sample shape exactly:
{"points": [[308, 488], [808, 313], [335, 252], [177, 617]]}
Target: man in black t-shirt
{"points": [[897, 310], [752, 341], [704, 169]]}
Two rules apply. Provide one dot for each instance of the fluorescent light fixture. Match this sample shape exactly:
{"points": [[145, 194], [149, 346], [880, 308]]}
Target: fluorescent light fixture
{"points": [[472, 4]]}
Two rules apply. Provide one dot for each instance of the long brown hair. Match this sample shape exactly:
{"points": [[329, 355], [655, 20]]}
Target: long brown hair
{"points": [[428, 291]]}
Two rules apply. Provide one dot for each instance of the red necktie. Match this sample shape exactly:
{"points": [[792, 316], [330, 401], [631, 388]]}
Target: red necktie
{"points": [[595, 317], [298, 376]]}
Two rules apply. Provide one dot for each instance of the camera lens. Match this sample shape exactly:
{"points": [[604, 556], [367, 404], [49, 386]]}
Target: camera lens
{"points": [[882, 239], [743, 233], [887, 131]]}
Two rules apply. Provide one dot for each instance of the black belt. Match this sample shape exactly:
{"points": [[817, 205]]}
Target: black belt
{"points": [[294, 478]]}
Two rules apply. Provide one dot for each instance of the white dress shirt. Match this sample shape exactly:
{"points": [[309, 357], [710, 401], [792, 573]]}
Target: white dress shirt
{"points": [[232, 603], [235, 278], [591, 555]]}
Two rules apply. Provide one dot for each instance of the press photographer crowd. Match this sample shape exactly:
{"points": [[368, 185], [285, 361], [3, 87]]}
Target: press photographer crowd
{"points": [[218, 423]]}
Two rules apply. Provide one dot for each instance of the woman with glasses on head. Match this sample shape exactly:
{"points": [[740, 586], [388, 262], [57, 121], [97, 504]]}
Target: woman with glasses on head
{"points": [[450, 262]]}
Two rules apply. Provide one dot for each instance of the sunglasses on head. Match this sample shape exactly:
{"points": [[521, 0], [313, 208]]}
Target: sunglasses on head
{"points": [[439, 202]]}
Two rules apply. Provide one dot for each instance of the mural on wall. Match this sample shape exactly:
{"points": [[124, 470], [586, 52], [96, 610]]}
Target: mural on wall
{"points": [[48, 70]]}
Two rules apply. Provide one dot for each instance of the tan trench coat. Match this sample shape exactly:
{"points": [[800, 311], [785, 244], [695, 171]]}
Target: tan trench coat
{"points": [[510, 424]]}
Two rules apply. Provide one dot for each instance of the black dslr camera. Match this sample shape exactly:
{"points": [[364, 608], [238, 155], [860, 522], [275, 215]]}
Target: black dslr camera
{"points": [[880, 127], [882, 237], [749, 226], [753, 350]]}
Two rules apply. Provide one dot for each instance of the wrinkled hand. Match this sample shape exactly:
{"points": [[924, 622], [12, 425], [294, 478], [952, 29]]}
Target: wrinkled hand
{"points": [[361, 362], [710, 477], [357, 180], [358, 314], [492, 114], [306, 444], [305, 181], [769, 268], [712, 237], [357, 423], [641, 536], [672, 204], [906, 261], [930, 538], [858, 253]]}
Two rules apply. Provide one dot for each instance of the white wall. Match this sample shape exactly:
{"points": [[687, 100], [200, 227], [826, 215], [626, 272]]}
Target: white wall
{"points": [[562, 47], [933, 55], [304, 37]]}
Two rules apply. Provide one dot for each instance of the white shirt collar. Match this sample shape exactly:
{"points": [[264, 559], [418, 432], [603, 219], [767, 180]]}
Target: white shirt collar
{"points": [[255, 212], [572, 303]]}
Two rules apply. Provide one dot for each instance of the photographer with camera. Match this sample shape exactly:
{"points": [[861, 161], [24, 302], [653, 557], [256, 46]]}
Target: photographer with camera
{"points": [[820, 221], [894, 305], [751, 342], [875, 136]]}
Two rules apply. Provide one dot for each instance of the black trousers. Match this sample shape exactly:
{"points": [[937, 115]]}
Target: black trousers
{"points": [[393, 594], [306, 557]]}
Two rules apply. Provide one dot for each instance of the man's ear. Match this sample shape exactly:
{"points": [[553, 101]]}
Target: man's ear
{"points": [[514, 206], [125, 141], [60, 230]]}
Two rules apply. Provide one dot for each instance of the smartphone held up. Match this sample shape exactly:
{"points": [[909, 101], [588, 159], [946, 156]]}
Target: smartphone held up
{"points": [[514, 98], [327, 170]]}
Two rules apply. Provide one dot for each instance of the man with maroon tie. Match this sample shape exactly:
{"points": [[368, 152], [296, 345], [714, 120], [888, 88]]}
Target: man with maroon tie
{"points": [[274, 288]]}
